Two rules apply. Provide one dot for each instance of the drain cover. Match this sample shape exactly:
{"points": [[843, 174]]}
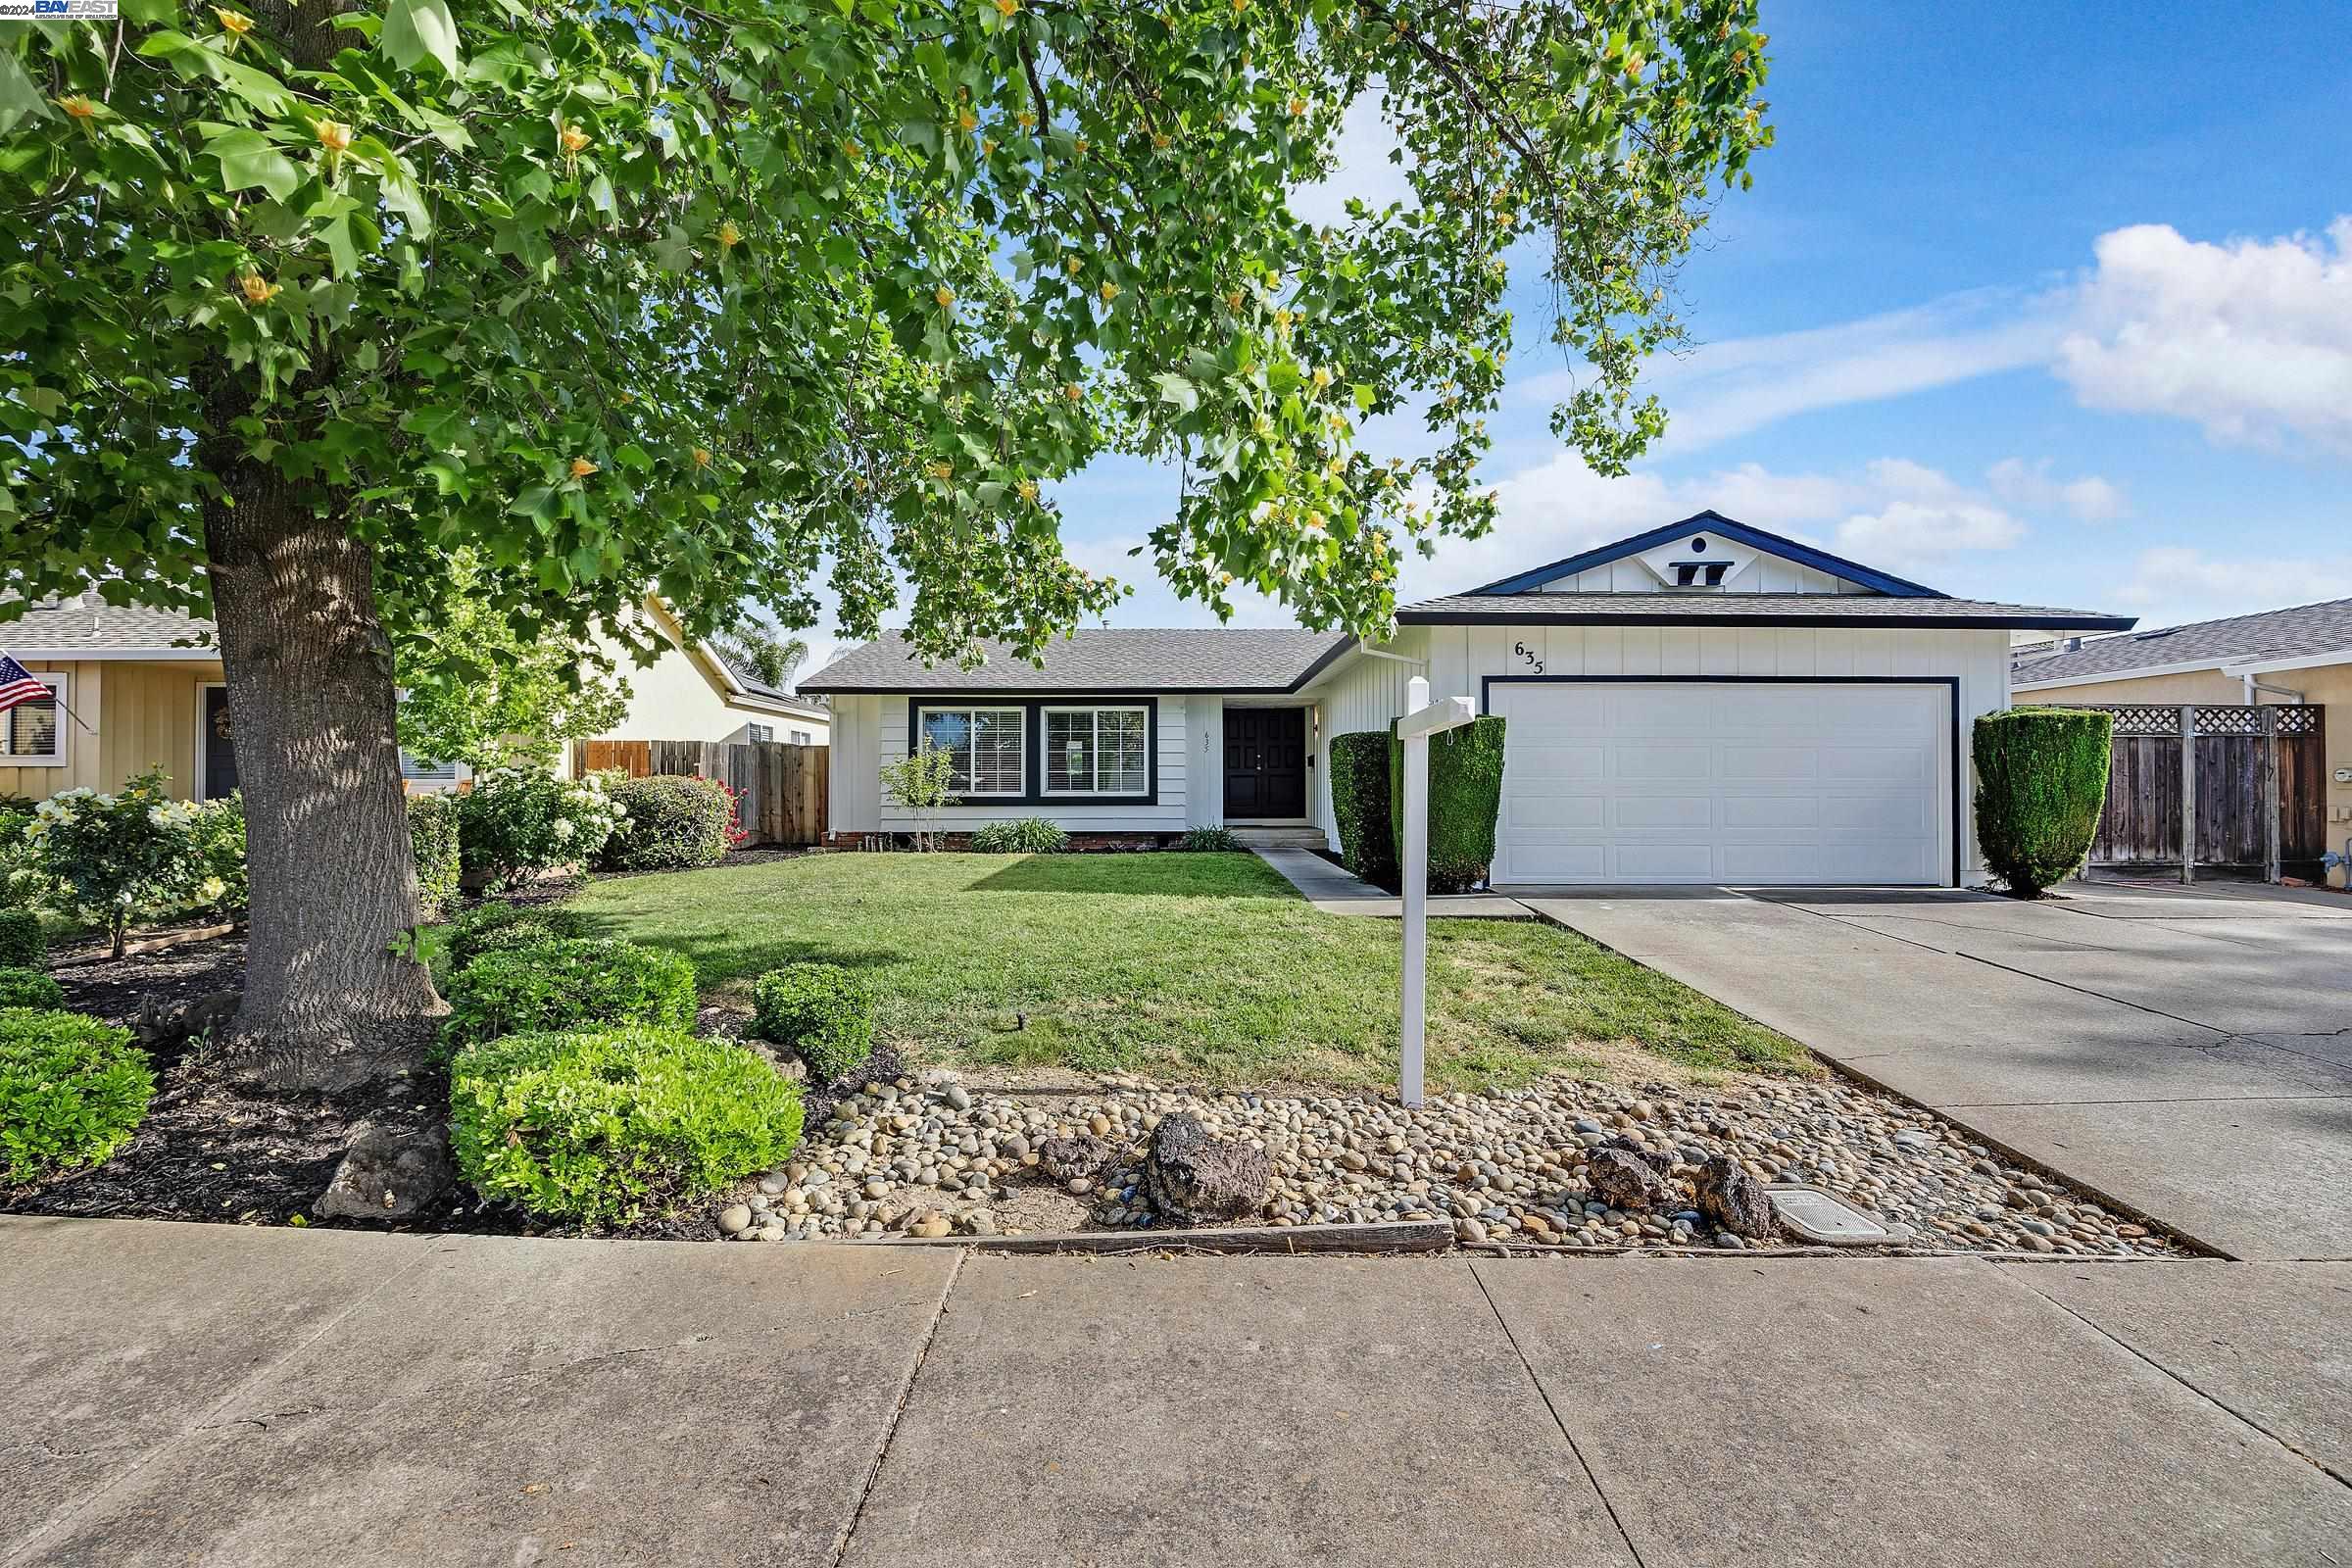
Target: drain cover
{"points": [[1825, 1218]]}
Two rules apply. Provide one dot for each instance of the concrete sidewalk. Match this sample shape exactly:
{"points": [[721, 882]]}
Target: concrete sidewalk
{"points": [[242, 1399], [1336, 890]]}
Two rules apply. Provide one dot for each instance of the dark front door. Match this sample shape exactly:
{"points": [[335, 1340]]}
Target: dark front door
{"points": [[1265, 763], [220, 747]]}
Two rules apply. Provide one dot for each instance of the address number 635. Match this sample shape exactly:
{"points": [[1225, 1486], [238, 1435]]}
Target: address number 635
{"points": [[1527, 657]]}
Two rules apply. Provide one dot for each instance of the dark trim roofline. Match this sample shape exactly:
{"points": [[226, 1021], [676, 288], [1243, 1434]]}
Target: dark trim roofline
{"points": [[1124, 689], [1712, 522], [2030, 620]]}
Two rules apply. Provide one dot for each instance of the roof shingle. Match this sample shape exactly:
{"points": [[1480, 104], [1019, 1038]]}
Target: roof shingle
{"points": [[1099, 660], [65, 628], [2291, 633]]}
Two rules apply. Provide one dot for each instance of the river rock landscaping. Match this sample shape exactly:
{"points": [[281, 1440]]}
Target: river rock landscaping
{"points": [[1548, 1164]]}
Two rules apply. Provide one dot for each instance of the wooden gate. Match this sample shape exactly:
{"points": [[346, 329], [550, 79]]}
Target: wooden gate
{"points": [[2251, 780], [782, 786]]}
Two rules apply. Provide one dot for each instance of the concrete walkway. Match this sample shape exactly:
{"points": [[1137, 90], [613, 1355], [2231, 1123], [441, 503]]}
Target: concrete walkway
{"points": [[231, 1397], [2189, 1052], [1336, 890]]}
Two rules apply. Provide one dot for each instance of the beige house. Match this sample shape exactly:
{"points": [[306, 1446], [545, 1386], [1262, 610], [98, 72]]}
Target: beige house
{"points": [[138, 688], [2300, 655]]}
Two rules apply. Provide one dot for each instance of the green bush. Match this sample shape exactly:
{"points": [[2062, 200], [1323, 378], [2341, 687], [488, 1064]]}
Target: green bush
{"points": [[30, 988], [136, 855], [1209, 841], [674, 823], [517, 820], [1359, 803], [495, 925], [570, 984], [1027, 835], [2041, 783], [596, 1126], [1465, 797], [433, 842], [23, 945], [72, 1090], [822, 1010], [19, 883]]}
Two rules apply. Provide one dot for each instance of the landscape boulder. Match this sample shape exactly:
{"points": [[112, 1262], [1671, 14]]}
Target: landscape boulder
{"points": [[1624, 1180], [389, 1175], [1070, 1160], [1194, 1179], [1732, 1196]]}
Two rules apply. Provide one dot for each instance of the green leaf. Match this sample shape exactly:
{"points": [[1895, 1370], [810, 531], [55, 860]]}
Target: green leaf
{"points": [[341, 246], [1174, 388], [20, 99], [1365, 397], [416, 28], [249, 159]]}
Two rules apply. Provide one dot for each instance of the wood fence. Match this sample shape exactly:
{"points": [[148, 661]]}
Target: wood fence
{"points": [[2246, 790], [782, 787]]}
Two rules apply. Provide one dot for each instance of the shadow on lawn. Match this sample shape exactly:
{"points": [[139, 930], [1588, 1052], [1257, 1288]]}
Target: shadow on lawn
{"points": [[729, 952]]}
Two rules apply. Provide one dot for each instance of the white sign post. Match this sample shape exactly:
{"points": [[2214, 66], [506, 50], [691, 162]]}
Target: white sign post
{"points": [[1424, 719]]}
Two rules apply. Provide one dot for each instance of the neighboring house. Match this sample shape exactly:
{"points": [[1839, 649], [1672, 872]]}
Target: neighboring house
{"points": [[1703, 702], [2302, 654], [141, 688]]}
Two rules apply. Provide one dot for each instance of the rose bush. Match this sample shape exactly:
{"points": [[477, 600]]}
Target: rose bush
{"points": [[135, 857], [515, 821]]}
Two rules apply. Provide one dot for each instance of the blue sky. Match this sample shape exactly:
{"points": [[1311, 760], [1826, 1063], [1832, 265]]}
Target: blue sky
{"points": [[2042, 303]]}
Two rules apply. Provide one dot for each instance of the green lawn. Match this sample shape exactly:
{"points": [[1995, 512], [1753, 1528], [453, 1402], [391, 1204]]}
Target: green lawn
{"points": [[1201, 967]]}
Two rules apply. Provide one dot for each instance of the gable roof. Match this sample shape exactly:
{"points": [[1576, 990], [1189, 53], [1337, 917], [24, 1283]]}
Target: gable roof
{"points": [[1712, 522], [759, 690], [2270, 634], [1221, 659], [1667, 609], [75, 628]]}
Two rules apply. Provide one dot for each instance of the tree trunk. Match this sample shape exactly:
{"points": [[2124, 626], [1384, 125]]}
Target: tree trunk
{"points": [[328, 1002]]}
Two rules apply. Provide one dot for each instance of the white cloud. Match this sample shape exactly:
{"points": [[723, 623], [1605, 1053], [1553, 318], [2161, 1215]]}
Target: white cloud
{"points": [[2172, 584], [2032, 487], [2252, 339]]}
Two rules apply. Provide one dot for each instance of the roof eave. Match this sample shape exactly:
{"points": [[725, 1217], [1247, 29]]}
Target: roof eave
{"points": [[1713, 521], [2034, 620], [148, 655]]}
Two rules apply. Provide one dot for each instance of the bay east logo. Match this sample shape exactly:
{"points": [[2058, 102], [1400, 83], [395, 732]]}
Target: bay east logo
{"points": [[57, 10]]}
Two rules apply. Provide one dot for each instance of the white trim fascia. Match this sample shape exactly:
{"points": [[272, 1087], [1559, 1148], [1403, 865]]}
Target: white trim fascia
{"points": [[2276, 666], [209, 656], [734, 686]]}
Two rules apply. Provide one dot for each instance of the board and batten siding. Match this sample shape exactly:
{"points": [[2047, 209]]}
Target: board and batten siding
{"points": [[1460, 658], [1363, 694], [871, 731], [1769, 575]]}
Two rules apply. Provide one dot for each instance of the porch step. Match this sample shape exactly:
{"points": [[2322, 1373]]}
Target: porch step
{"points": [[1280, 838]]}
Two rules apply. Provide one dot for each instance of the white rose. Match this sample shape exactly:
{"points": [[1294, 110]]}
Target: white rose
{"points": [[564, 829]]}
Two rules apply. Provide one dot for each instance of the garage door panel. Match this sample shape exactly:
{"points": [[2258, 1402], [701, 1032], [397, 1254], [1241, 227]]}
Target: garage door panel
{"points": [[1705, 781]]}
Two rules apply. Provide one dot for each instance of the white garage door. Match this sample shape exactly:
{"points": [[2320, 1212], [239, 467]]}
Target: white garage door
{"points": [[1739, 782]]}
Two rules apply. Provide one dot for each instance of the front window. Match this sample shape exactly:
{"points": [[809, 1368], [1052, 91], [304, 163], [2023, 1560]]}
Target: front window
{"points": [[800, 737], [1096, 750], [985, 742], [761, 732], [32, 733]]}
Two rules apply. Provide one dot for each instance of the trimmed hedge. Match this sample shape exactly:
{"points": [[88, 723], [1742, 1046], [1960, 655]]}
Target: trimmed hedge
{"points": [[571, 984], [1359, 801], [822, 1010], [595, 1126], [2041, 783], [72, 1090], [22, 944], [433, 844], [1465, 798], [1027, 835], [675, 824], [30, 988], [490, 927]]}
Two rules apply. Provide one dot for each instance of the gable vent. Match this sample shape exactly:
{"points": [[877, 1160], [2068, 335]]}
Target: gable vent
{"points": [[1699, 573]]}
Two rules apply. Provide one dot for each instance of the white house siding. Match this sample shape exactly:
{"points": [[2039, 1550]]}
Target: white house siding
{"points": [[1204, 725], [1770, 574], [1364, 694], [1461, 657], [871, 730]]}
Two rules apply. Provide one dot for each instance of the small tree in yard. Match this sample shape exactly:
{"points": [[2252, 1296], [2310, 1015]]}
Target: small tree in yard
{"points": [[132, 858], [922, 782], [300, 303], [2042, 785]]}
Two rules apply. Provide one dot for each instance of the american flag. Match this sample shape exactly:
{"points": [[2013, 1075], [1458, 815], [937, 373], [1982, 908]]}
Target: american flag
{"points": [[18, 685]]}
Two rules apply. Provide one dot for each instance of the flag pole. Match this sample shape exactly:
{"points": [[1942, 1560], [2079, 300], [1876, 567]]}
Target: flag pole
{"points": [[53, 694]]}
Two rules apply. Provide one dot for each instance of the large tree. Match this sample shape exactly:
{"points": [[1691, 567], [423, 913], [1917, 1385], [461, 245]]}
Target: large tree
{"points": [[713, 298]]}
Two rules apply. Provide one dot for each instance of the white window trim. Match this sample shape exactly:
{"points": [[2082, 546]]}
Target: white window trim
{"points": [[60, 684], [970, 710], [758, 734], [801, 737], [1095, 710]]}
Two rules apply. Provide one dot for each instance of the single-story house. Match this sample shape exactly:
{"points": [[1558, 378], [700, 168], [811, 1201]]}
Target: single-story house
{"points": [[137, 688], [2300, 655], [1703, 702]]}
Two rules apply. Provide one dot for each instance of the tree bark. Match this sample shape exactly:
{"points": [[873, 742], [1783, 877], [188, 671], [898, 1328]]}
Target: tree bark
{"points": [[328, 1001]]}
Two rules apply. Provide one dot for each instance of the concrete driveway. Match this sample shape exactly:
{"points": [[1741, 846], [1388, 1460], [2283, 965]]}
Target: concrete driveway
{"points": [[2186, 1052]]}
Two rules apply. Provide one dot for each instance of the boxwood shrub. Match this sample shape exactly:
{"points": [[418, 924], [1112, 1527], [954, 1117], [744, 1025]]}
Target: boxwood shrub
{"points": [[489, 926], [1359, 801], [30, 988], [567, 984], [1026, 835], [433, 844], [22, 944], [72, 1090], [2041, 783], [1465, 797], [674, 823], [598, 1126], [822, 1010]]}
